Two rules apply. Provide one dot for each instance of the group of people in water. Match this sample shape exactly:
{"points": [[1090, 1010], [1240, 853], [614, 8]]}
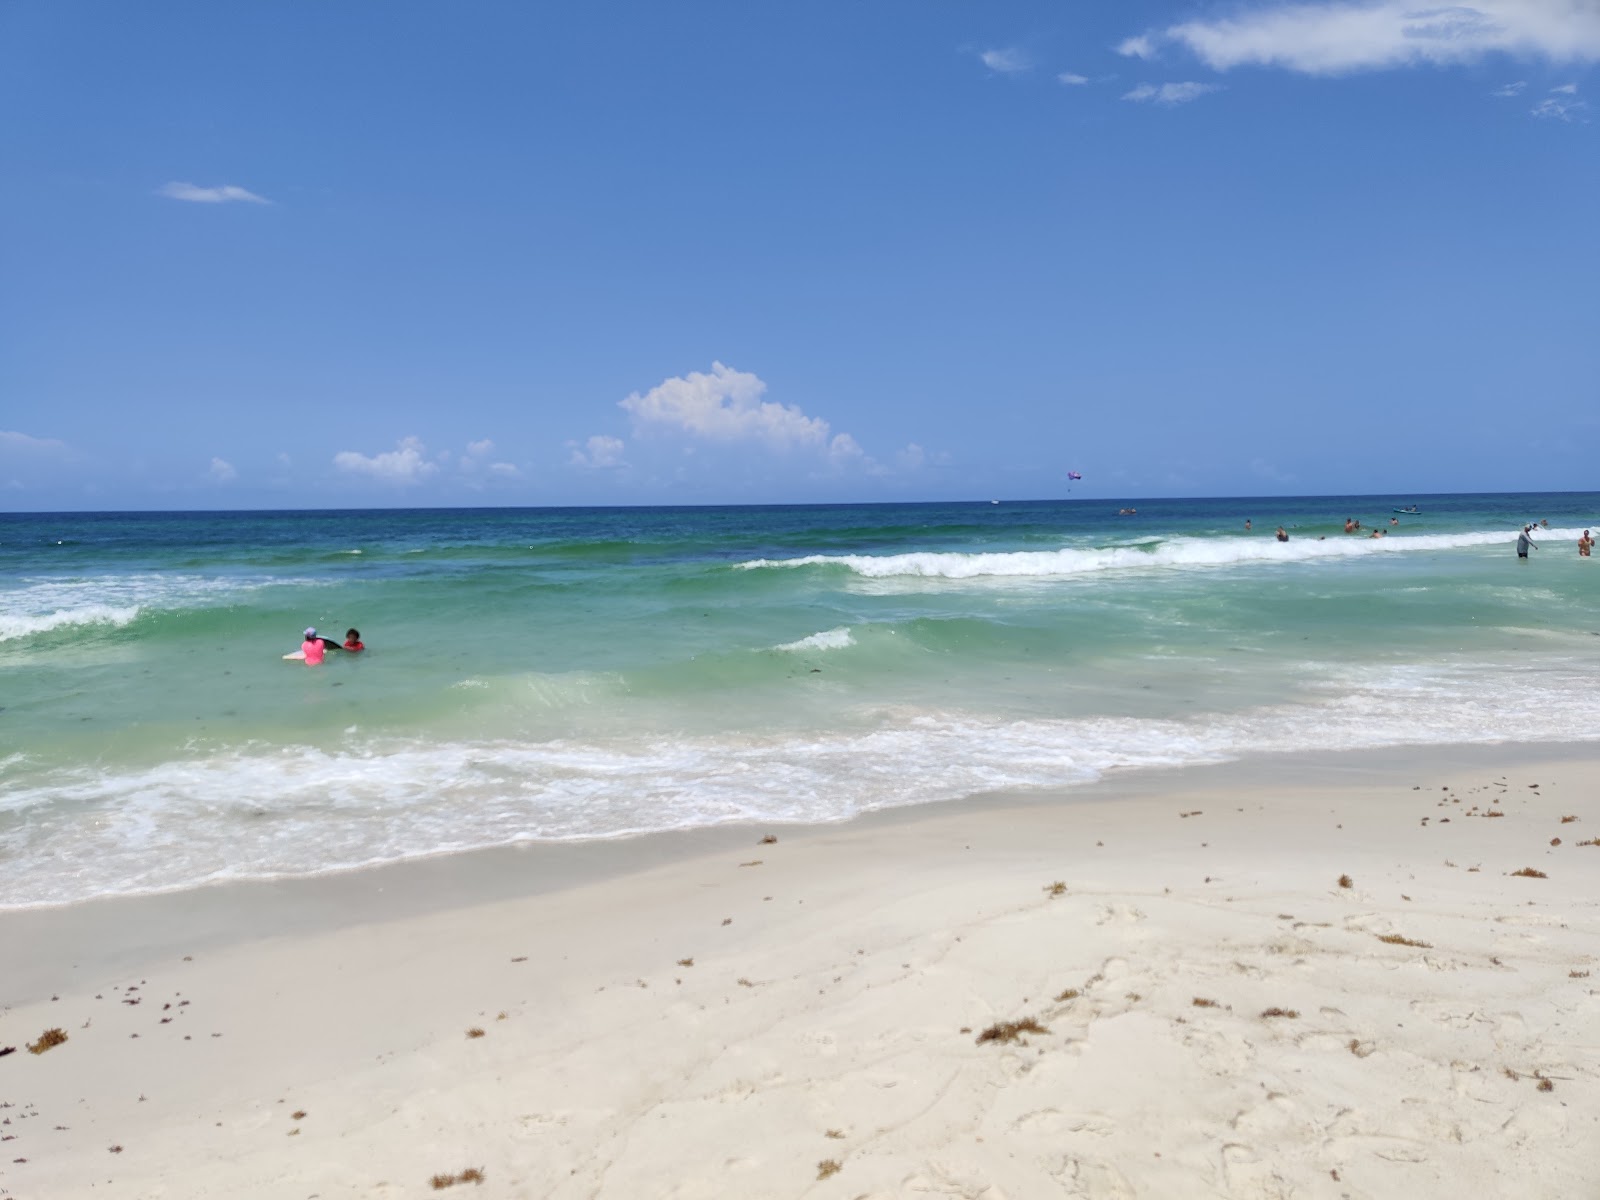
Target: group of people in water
{"points": [[1525, 540], [315, 647]]}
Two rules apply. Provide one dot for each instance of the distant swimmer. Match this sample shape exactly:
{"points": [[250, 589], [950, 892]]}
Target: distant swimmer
{"points": [[1247, 524], [1525, 541], [1378, 533], [352, 641], [1349, 525], [1394, 520], [1282, 535], [1585, 544]]}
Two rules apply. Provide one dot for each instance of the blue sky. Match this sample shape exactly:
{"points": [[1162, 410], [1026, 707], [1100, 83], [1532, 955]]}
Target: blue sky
{"points": [[310, 254]]}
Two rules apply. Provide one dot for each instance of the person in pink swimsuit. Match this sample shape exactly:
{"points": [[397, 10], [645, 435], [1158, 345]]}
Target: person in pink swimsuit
{"points": [[311, 650]]}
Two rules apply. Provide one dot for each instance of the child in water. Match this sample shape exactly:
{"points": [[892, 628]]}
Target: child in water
{"points": [[352, 641]]}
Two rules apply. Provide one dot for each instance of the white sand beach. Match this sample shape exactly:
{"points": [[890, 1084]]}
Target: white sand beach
{"points": [[723, 1015]]}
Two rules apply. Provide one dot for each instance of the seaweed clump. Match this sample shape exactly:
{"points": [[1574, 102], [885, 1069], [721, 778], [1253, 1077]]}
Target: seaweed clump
{"points": [[1010, 1031]]}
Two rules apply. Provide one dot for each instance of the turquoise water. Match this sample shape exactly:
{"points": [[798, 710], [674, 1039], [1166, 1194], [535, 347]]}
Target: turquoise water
{"points": [[548, 674]]}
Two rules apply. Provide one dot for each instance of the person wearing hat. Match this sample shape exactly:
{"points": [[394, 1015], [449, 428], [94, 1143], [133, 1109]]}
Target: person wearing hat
{"points": [[311, 650]]}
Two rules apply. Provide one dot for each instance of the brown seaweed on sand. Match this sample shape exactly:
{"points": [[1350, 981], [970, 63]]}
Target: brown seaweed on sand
{"points": [[1010, 1031], [47, 1039]]}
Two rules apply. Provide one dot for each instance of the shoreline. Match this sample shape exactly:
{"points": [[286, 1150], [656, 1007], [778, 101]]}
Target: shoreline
{"points": [[227, 912], [711, 1014]]}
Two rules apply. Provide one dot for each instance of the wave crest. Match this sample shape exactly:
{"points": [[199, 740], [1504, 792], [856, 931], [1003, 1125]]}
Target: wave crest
{"points": [[14, 626], [1174, 553]]}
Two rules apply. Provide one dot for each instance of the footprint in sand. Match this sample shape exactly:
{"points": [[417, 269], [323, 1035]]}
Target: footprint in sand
{"points": [[1122, 914], [1248, 1177], [1089, 1178]]}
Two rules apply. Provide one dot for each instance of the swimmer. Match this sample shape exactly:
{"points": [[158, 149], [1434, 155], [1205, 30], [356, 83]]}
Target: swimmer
{"points": [[1282, 535], [352, 641], [1247, 524], [311, 650], [1524, 542], [1349, 525], [1585, 544]]}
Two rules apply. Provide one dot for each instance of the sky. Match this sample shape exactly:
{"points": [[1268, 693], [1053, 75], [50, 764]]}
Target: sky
{"points": [[368, 254]]}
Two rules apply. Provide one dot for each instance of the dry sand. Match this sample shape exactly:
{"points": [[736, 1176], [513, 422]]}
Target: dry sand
{"points": [[725, 1017]]}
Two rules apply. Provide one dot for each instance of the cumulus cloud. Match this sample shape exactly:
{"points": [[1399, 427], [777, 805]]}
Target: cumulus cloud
{"points": [[1170, 93], [1142, 46], [508, 470], [598, 452], [1072, 80], [1008, 61], [724, 405], [194, 194], [404, 465], [480, 448], [222, 471], [1337, 36]]}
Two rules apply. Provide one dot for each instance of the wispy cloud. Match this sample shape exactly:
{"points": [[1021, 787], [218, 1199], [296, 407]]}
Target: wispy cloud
{"points": [[21, 443], [1512, 89], [598, 453], [195, 194], [222, 471], [1006, 61], [1170, 93], [480, 448], [1562, 104], [1337, 36], [404, 465], [1072, 80]]}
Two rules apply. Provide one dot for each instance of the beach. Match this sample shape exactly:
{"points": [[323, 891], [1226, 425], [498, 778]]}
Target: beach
{"points": [[1357, 975]]}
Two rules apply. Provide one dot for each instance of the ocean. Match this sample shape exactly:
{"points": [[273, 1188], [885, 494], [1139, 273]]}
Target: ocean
{"points": [[551, 674]]}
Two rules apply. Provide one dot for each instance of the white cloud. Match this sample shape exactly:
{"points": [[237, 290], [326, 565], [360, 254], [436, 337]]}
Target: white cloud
{"points": [[1071, 80], [504, 468], [22, 443], [1170, 93], [912, 458], [1566, 89], [1009, 61], [403, 465], [481, 448], [1335, 36], [598, 452], [226, 194], [1560, 107], [1511, 89], [725, 405], [222, 471], [1142, 46], [845, 449]]}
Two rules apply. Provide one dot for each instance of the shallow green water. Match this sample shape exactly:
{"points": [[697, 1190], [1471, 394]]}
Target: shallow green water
{"points": [[583, 673]]}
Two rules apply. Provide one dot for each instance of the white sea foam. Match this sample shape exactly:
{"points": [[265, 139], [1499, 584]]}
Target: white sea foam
{"points": [[21, 625], [38, 604], [1173, 553], [260, 811], [830, 639]]}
